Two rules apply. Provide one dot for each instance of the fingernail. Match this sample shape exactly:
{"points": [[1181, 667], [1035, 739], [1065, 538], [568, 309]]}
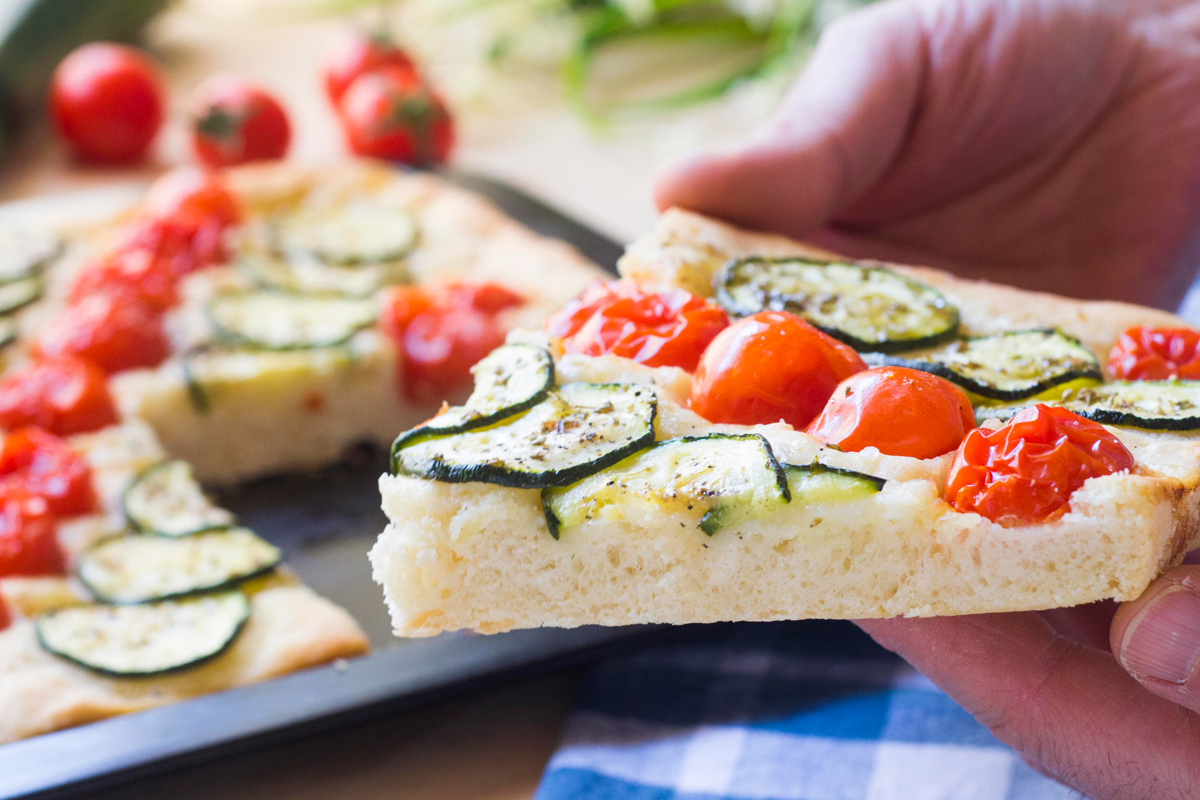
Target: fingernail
{"points": [[1163, 640]]}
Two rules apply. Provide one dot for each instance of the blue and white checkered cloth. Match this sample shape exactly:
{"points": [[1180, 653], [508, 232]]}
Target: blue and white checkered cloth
{"points": [[777, 711]]}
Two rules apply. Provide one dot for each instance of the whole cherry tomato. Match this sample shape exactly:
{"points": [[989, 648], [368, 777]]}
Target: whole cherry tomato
{"points": [[113, 331], [107, 102], [179, 247], [658, 329], [46, 466], [768, 367], [28, 544], [899, 411], [235, 122], [137, 273], [1026, 471], [1155, 354], [392, 114], [357, 52], [443, 333], [63, 395], [190, 193]]}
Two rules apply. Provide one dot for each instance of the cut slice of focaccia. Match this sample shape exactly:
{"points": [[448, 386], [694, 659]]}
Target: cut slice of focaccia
{"points": [[723, 522]]}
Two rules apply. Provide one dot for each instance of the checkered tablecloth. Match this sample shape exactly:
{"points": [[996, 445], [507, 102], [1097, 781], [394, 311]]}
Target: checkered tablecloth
{"points": [[777, 711]]}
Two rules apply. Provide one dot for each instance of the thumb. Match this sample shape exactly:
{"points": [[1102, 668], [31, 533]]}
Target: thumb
{"points": [[1157, 637], [831, 139]]}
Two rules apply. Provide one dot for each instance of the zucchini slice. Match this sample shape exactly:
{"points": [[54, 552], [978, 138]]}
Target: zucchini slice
{"points": [[1007, 366], [25, 253], [165, 499], [8, 331], [141, 568], [315, 277], [358, 232], [509, 380], [19, 293], [1151, 405], [135, 641], [279, 321], [868, 308], [724, 479], [814, 484], [576, 431]]}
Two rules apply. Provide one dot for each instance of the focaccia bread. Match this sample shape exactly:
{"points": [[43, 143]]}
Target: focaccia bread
{"points": [[473, 554]]}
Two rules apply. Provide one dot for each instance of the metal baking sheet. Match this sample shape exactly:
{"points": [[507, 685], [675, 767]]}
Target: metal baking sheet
{"points": [[325, 522]]}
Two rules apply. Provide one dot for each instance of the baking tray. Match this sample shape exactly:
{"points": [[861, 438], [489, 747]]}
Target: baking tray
{"points": [[325, 523]]}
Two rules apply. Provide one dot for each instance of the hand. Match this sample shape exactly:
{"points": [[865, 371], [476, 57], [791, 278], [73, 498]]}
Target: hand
{"points": [[1054, 145], [1050, 144]]}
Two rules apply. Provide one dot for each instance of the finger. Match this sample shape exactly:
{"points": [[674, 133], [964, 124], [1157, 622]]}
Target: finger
{"points": [[1070, 710], [1157, 637], [1087, 624], [832, 137]]}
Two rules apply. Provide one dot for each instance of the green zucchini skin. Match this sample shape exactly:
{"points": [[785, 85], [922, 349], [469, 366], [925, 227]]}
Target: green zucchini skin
{"points": [[1088, 368], [228, 332], [441, 465], [1112, 404], [238, 614], [796, 472], [736, 275], [474, 413], [17, 294], [140, 521]]}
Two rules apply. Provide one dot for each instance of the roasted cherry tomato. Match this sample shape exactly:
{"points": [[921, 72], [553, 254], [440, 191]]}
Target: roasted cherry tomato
{"points": [[443, 333], [658, 329], [179, 246], [46, 466], [1026, 471], [62, 395], [392, 114], [899, 411], [768, 367], [235, 122], [113, 331], [1155, 354], [357, 52], [28, 544], [188, 194], [136, 273], [107, 102]]}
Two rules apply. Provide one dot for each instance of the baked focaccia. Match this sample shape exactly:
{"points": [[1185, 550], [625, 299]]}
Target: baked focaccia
{"points": [[591, 494], [276, 361]]}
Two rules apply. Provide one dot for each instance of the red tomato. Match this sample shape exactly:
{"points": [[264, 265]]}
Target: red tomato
{"points": [[357, 52], [234, 122], [658, 329], [116, 333], [189, 194], [767, 367], [135, 273], [28, 545], [899, 411], [391, 114], [1026, 471], [62, 395], [443, 333], [107, 102], [45, 466], [179, 246], [1155, 354]]}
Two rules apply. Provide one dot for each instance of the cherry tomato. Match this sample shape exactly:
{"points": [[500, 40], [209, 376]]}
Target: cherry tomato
{"points": [[115, 332], [189, 194], [1155, 354], [64, 395], [491, 298], [234, 122], [179, 246], [899, 411], [403, 305], [658, 329], [46, 466], [107, 102], [767, 367], [1026, 471], [357, 52], [28, 545], [136, 273], [391, 114]]}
